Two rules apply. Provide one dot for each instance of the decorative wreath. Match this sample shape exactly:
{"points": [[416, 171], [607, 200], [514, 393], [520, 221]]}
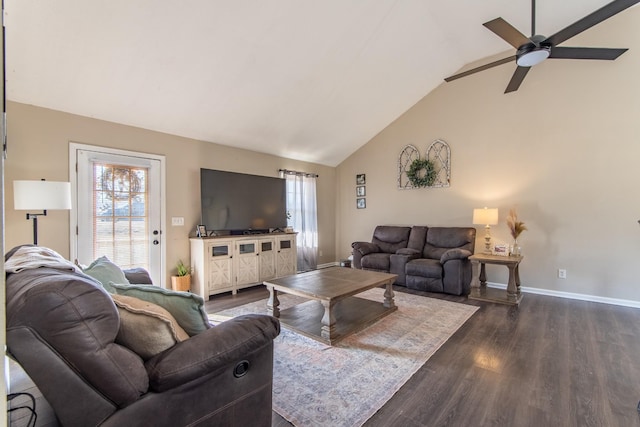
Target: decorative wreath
{"points": [[417, 178]]}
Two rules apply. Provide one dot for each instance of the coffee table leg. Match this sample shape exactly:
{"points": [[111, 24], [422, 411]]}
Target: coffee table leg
{"points": [[273, 303], [328, 321], [388, 296]]}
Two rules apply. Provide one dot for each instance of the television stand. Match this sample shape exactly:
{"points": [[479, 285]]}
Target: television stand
{"points": [[229, 263]]}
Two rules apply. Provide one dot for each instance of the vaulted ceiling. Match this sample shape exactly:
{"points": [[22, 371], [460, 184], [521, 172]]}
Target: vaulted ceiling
{"points": [[304, 79]]}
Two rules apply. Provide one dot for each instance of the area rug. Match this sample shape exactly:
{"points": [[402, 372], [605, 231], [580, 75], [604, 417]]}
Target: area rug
{"points": [[318, 385]]}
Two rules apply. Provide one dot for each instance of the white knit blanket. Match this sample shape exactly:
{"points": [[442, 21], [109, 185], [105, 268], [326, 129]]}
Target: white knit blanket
{"points": [[37, 256]]}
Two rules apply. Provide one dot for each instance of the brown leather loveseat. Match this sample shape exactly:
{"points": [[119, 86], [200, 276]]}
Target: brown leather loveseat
{"points": [[433, 259]]}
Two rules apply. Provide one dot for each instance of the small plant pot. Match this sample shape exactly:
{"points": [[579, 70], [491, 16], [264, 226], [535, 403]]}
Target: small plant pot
{"points": [[181, 283]]}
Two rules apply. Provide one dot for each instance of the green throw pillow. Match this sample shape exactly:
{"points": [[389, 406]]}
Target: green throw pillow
{"points": [[185, 307], [104, 271]]}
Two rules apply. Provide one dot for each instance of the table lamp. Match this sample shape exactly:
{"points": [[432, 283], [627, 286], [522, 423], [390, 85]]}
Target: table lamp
{"points": [[40, 195], [487, 217]]}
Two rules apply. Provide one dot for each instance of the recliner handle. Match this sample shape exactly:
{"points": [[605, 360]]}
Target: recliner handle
{"points": [[241, 369]]}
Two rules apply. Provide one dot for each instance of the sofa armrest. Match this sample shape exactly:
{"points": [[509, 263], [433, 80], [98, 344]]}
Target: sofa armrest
{"points": [[210, 350], [455, 253], [398, 263], [413, 253], [137, 276], [365, 248]]}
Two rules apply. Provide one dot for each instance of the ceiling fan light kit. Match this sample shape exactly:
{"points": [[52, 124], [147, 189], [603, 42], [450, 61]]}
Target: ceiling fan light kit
{"points": [[532, 56], [537, 48]]}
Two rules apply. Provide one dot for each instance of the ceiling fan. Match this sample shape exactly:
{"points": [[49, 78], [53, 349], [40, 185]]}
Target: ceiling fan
{"points": [[535, 49]]}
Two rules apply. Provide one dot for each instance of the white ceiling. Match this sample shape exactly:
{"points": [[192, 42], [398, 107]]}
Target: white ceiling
{"points": [[303, 79]]}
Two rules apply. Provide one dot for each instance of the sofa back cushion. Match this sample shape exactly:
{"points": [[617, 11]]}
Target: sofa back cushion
{"points": [[417, 237], [441, 239], [390, 238], [77, 318]]}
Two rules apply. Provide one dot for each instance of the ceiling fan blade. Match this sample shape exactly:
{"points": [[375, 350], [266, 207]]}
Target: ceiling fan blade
{"points": [[605, 12], [507, 32], [561, 52], [481, 68], [516, 79]]}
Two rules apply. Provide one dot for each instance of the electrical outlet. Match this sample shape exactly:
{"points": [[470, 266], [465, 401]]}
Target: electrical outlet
{"points": [[562, 273], [177, 221]]}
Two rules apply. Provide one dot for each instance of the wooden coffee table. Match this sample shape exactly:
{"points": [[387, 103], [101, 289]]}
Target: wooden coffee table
{"points": [[333, 312]]}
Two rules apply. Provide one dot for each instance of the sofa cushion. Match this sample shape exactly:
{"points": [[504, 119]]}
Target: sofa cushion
{"points": [[390, 238], [185, 307], [424, 267], [439, 239], [104, 271], [146, 328], [376, 261]]}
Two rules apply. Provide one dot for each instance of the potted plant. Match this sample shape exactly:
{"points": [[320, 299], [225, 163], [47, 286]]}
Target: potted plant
{"points": [[181, 282]]}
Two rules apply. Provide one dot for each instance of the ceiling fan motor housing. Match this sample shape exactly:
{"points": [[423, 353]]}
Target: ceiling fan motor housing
{"points": [[530, 54]]}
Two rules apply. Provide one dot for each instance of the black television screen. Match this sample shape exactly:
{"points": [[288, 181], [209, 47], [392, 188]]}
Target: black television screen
{"points": [[241, 202]]}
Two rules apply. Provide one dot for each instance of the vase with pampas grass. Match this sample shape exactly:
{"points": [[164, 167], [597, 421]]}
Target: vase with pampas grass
{"points": [[516, 228]]}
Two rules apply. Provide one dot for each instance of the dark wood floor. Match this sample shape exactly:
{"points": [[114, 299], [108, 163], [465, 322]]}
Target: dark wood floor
{"points": [[550, 362]]}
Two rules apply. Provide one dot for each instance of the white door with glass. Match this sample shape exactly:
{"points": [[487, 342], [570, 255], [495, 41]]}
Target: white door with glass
{"points": [[118, 209]]}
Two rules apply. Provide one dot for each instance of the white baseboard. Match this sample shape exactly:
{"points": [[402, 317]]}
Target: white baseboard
{"points": [[547, 292], [571, 295], [329, 264]]}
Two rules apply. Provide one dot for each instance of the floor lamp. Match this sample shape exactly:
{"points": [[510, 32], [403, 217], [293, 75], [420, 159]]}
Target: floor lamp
{"points": [[41, 195]]}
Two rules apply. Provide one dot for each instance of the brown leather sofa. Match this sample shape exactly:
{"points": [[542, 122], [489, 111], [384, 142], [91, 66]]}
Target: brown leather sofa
{"points": [[62, 326], [433, 259]]}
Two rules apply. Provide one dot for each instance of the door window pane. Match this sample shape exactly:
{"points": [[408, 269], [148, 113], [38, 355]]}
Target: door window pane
{"points": [[120, 213]]}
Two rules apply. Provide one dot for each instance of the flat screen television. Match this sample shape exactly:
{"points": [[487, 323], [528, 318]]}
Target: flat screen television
{"points": [[240, 203]]}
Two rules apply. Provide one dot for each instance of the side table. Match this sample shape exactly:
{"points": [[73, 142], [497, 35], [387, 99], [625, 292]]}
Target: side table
{"points": [[479, 290]]}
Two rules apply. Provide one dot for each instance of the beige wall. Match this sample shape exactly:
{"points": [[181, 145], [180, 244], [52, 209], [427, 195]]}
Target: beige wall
{"points": [[563, 150], [39, 148]]}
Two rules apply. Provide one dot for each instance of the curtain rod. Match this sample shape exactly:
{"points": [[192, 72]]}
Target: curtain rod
{"points": [[290, 172]]}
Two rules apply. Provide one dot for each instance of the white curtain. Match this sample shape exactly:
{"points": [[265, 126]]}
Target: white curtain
{"points": [[302, 216]]}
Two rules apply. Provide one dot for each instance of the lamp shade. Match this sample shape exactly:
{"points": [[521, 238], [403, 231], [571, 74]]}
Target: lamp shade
{"points": [[41, 195], [485, 216]]}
